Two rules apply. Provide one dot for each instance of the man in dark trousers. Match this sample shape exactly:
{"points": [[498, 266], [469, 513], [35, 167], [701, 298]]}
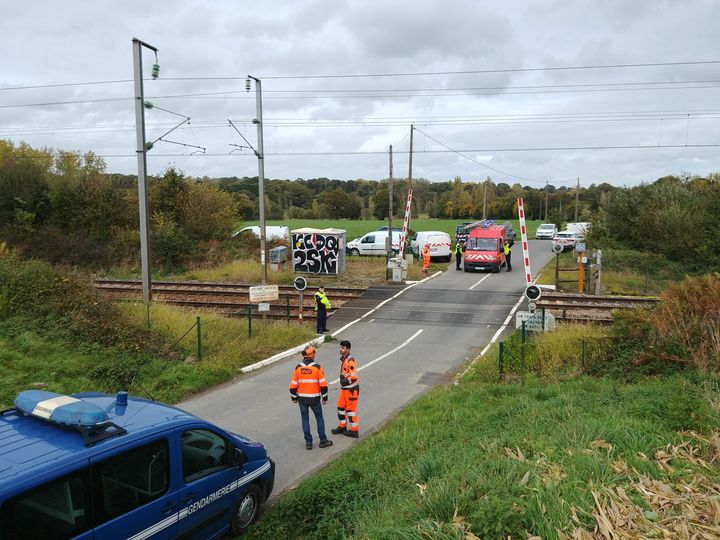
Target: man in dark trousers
{"points": [[322, 306], [307, 388], [507, 249], [459, 250]]}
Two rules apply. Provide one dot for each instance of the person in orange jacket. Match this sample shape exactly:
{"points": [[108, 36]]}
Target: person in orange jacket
{"points": [[348, 423], [425, 259], [307, 388]]}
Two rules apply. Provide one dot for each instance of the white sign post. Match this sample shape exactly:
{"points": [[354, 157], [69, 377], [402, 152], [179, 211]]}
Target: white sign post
{"points": [[534, 321], [264, 293]]}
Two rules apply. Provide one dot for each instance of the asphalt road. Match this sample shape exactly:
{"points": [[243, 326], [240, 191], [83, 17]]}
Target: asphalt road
{"points": [[411, 343]]}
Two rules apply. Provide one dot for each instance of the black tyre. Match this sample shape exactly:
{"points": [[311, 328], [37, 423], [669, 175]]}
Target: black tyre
{"points": [[246, 510], [354, 251]]}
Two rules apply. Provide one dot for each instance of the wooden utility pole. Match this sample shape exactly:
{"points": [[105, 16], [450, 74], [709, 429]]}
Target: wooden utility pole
{"points": [[485, 199], [410, 185], [577, 198], [390, 206]]}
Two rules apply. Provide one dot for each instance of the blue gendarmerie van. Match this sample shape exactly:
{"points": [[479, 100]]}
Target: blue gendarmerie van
{"points": [[105, 467]]}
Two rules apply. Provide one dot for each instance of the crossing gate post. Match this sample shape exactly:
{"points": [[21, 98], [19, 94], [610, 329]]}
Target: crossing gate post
{"points": [[199, 340]]}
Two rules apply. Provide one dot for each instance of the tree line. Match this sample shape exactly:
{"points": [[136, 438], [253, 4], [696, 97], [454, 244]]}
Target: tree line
{"points": [[66, 207]]}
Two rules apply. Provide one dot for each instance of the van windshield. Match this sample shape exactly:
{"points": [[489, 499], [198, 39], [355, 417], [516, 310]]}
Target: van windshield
{"points": [[482, 244]]}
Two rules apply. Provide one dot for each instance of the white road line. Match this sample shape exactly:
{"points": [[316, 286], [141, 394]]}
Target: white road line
{"points": [[403, 344], [497, 334], [381, 304], [479, 282]]}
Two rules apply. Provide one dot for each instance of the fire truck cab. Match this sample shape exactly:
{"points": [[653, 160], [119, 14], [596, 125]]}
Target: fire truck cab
{"points": [[484, 248]]}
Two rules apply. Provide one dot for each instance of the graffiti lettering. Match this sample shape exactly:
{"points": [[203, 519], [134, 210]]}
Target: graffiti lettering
{"points": [[315, 253]]}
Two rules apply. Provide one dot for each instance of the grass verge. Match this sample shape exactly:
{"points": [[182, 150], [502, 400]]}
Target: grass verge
{"points": [[509, 461]]}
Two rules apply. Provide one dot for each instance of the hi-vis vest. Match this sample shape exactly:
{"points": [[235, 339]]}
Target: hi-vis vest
{"points": [[308, 381], [321, 298], [506, 249], [348, 370]]}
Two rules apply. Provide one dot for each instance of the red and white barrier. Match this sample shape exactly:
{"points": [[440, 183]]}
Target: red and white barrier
{"points": [[523, 237], [405, 224]]}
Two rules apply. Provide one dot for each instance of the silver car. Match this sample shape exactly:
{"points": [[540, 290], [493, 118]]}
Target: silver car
{"points": [[546, 231]]}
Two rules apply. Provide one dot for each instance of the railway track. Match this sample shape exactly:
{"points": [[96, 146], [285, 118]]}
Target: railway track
{"points": [[583, 307], [229, 298]]}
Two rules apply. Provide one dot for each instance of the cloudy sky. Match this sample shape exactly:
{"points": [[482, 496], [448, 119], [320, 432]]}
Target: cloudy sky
{"points": [[532, 91]]}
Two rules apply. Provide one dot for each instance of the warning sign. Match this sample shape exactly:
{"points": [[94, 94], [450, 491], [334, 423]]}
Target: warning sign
{"points": [[534, 321]]}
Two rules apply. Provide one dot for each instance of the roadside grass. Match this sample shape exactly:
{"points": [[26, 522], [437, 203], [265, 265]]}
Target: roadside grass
{"points": [[550, 356], [226, 347], [493, 461]]}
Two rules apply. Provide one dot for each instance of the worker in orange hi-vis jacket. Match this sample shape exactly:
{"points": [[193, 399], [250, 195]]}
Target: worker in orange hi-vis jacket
{"points": [[348, 423], [307, 388], [426, 259]]}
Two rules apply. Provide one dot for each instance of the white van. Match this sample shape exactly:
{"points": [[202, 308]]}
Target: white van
{"points": [[279, 232], [373, 243], [438, 242]]}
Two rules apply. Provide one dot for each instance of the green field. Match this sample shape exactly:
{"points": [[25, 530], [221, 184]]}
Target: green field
{"points": [[357, 228]]}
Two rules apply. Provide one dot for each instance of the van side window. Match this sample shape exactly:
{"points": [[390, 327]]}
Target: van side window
{"points": [[203, 452], [368, 240], [131, 479], [58, 509]]}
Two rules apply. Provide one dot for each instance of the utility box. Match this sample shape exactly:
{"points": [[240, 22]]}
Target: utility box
{"points": [[397, 269], [278, 255], [318, 251]]}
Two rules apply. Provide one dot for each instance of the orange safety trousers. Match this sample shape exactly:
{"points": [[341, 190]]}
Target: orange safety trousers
{"points": [[347, 409]]}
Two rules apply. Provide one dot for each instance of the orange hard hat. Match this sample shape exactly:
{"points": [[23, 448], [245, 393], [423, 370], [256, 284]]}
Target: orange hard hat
{"points": [[309, 352]]}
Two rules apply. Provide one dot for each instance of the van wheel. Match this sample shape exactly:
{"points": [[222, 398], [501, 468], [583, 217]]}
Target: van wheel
{"points": [[245, 511], [354, 251]]}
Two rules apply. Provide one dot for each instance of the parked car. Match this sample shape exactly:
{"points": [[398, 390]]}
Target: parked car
{"points": [[373, 243], [546, 231], [272, 232], [94, 465], [438, 242], [567, 239]]}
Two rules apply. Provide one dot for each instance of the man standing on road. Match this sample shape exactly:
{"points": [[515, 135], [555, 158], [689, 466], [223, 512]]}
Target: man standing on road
{"points": [[425, 259], [322, 306], [459, 250], [307, 388], [348, 423], [507, 248]]}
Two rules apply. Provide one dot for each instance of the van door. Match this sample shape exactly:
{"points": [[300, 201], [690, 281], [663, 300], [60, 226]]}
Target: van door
{"points": [[379, 247], [210, 486], [132, 493], [367, 243]]}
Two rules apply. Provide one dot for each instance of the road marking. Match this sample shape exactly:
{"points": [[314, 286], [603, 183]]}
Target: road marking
{"points": [[396, 349], [381, 304], [479, 282], [371, 320], [497, 334]]}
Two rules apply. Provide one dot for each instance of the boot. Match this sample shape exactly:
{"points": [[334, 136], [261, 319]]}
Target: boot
{"points": [[325, 443], [337, 431], [352, 434], [308, 446]]}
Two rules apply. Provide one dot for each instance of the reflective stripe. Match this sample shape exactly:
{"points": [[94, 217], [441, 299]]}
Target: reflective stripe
{"points": [[308, 395], [171, 520], [293, 381], [351, 413], [310, 380], [349, 386]]}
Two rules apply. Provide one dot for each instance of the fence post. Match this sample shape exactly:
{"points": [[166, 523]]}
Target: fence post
{"points": [[288, 309], [199, 340], [582, 354], [501, 351], [249, 320]]}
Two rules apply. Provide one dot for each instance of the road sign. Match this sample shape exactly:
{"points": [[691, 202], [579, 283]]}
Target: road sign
{"points": [[532, 292], [264, 293], [557, 248], [580, 246], [262, 306], [532, 306], [300, 283], [534, 321]]}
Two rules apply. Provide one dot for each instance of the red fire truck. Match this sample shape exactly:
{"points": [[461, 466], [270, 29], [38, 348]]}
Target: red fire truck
{"points": [[484, 248]]}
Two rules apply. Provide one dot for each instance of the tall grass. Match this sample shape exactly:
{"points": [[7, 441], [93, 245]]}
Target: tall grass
{"points": [[496, 461]]}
